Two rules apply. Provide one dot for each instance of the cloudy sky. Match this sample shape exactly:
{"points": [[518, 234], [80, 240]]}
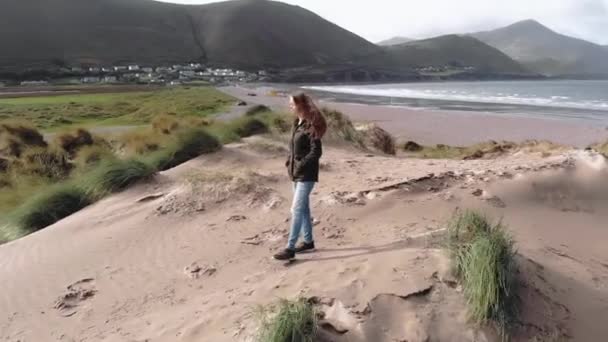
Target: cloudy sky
{"points": [[381, 19]]}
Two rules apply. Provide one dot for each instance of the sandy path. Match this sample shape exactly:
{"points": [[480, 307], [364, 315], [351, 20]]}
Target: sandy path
{"points": [[448, 127], [135, 253]]}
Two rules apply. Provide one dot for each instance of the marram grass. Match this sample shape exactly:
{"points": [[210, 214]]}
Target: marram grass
{"points": [[484, 260], [289, 321]]}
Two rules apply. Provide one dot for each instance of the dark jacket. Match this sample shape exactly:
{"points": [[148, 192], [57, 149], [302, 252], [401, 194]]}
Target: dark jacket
{"points": [[304, 154]]}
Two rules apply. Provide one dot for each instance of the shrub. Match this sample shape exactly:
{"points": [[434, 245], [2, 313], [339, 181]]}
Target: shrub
{"points": [[255, 110], [49, 207], [291, 321], [188, 145], [45, 162], [114, 175], [484, 260]]}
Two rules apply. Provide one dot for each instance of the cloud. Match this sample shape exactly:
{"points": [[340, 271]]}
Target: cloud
{"points": [[381, 19]]}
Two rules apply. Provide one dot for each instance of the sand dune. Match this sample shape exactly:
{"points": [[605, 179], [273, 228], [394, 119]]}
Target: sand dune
{"points": [[187, 256]]}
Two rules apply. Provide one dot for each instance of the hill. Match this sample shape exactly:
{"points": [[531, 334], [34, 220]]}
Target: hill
{"points": [[457, 52], [548, 52], [42, 33], [238, 33], [394, 41]]}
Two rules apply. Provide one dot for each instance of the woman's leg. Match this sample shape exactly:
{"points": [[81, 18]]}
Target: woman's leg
{"points": [[307, 219], [300, 212]]}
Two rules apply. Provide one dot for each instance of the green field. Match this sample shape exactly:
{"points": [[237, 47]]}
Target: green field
{"points": [[109, 109]]}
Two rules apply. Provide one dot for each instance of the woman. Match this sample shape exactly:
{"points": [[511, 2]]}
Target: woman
{"points": [[305, 150]]}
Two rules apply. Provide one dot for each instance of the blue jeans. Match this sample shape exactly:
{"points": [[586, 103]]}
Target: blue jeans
{"points": [[300, 213]]}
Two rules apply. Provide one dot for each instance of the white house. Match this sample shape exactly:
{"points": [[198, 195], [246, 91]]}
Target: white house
{"points": [[120, 68], [133, 67], [110, 79], [147, 70], [34, 83], [90, 79]]}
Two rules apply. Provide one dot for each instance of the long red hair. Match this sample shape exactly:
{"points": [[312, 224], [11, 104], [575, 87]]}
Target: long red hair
{"points": [[308, 111]]}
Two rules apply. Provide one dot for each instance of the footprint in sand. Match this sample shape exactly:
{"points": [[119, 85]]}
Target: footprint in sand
{"points": [[77, 293]]}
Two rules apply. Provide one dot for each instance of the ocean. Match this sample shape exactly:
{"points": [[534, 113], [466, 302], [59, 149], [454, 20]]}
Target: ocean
{"points": [[557, 99]]}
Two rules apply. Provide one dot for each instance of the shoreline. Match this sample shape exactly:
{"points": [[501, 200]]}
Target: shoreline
{"points": [[428, 126]]}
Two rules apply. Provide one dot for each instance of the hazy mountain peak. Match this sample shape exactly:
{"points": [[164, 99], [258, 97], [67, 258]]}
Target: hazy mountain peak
{"points": [[394, 41], [547, 51]]}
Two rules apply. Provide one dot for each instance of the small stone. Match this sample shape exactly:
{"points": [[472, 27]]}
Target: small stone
{"points": [[151, 197], [477, 193], [236, 218]]}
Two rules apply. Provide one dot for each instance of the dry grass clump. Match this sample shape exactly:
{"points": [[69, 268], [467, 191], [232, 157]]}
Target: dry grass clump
{"points": [[484, 150], [378, 139], [484, 260], [92, 155], [4, 164], [140, 142], [44, 162], [288, 321], [15, 137], [71, 142]]}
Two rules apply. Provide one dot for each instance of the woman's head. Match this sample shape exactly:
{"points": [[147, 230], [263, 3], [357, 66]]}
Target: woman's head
{"points": [[304, 107]]}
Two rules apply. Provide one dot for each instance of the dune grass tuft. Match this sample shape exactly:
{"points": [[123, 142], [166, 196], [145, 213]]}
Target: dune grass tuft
{"points": [[341, 128], [289, 321], [378, 139], [49, 207], [484, 260], [114, 175], [255, 110], [189, 144]]}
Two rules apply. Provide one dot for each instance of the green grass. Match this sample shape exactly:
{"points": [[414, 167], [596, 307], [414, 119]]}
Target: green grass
{"points": [[289, 321], [484, 260], [113, 176], [189, 144], [48, 207], [127, 108]]}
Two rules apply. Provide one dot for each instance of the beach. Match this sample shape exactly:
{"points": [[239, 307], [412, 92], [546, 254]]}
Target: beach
{"points": [[445, 127]]}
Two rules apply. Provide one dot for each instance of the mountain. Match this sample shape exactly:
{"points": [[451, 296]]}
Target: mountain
{"points": [[246, 34], [548, 52], [239, 33], [394, 41], [458, 52]]}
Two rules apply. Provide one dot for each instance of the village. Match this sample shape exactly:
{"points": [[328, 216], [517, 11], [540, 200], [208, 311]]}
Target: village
{"points": [[136, 74]]}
